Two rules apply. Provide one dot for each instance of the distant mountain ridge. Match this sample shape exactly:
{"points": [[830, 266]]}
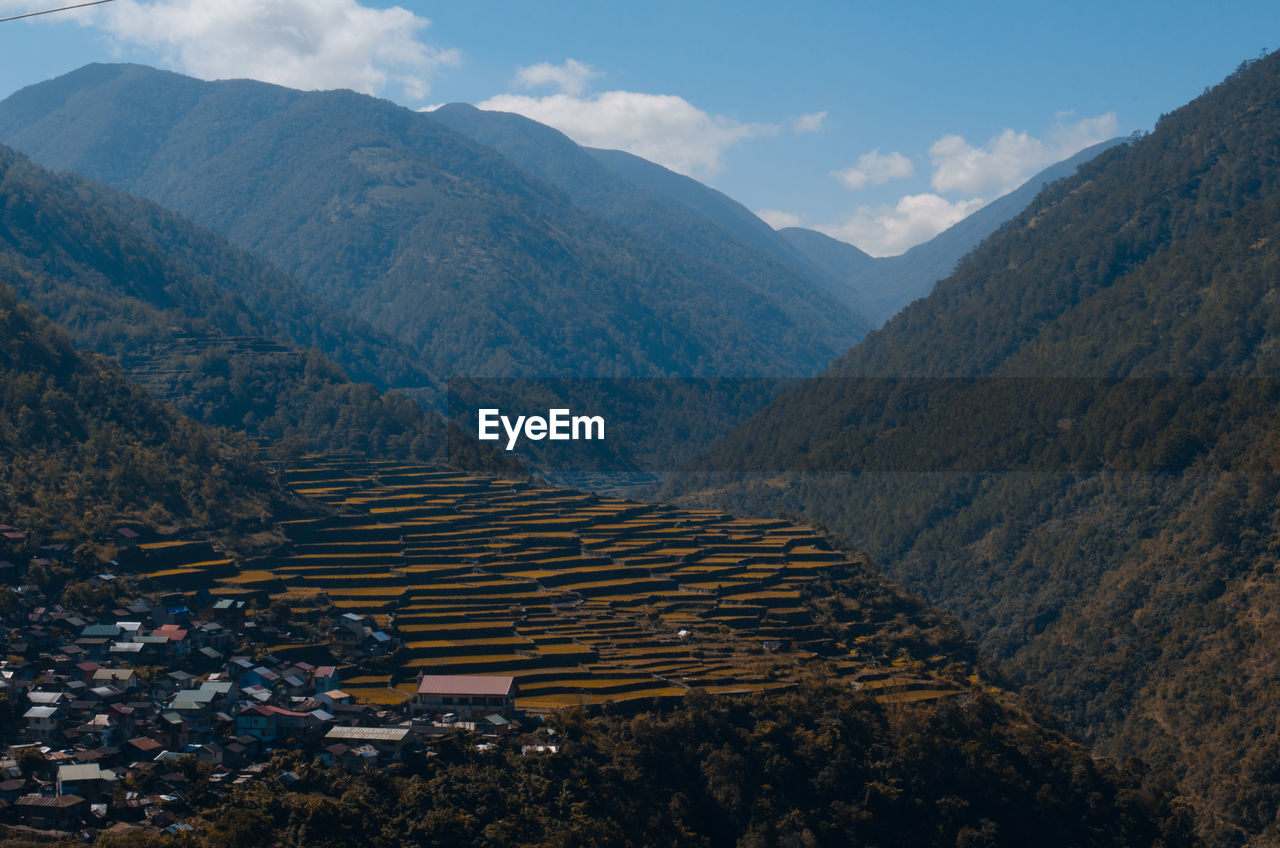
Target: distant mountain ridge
{"points": [[481, 268], [647, 198], [641, 195], [881, 287]]}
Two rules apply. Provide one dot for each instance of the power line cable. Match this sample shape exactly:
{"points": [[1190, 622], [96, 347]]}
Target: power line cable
{"points": [[51, 11]]}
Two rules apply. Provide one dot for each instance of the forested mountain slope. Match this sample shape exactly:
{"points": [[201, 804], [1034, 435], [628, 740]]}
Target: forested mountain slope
{"points": [[1122, 564], [85, 449], [697, 221], [162, 297], [483, 269]]}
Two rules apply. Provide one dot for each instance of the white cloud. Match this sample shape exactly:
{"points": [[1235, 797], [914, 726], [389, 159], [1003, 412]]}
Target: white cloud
{"points": [[1008, 159], [663, 128], [571, 77], [875, 169], [779, 219], [889, 230], [970, 176], [809, 123], [308, 44], [1070, 139]]}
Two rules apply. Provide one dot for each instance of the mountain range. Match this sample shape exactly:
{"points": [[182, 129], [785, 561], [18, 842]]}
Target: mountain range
{"points": [[185, 339], [481, 268], [1063, 433]]}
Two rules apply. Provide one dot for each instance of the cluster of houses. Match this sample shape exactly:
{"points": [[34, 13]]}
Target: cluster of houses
{"points": [[105, 722]]}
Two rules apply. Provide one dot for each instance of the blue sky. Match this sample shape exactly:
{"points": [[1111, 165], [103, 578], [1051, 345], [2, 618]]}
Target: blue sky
{"points": [[877, 123]]}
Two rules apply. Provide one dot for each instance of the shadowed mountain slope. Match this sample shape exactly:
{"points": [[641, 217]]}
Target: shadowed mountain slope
{"points": [[1121, 563], [162, 298]]}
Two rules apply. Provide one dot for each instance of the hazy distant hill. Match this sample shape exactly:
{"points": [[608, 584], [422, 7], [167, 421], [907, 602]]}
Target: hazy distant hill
{"points": [[840, 260], [482, 268], [163, 297], [726, 212], [881, 287], [1141, 602], [704, 225]]}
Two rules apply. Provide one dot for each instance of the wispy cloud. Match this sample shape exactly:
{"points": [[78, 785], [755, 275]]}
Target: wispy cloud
{"points": [[779, 219], [308, 44], [887, 230], [1008, 159], [570, 78], [663, 128], [875, 168], [808, 123], [964, 178]]}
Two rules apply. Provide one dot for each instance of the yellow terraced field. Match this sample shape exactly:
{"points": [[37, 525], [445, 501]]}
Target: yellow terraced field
{"points": [[547, 703], [381, 695], [568, 589]]}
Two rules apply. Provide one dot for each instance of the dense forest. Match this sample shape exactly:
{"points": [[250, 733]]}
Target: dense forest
{"points": [[1075, 450], [821, 766], [85, 449], [163, 298]]}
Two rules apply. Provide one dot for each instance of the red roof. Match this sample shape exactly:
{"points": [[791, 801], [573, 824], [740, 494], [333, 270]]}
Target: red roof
{"points": [[282, 711], [465, 684]]}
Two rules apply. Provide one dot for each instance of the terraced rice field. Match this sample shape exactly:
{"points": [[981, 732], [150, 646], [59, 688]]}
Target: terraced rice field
{"points": [[582, 598]]}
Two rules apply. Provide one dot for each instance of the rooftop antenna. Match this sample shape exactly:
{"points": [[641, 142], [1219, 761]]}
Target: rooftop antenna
{"points": [[51, 11]]}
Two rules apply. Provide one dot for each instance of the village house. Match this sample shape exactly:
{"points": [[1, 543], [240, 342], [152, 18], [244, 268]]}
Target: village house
{"points": [[466, 695], [257, 721], [44, 723], [326, 678], [124, 679], [389, 742], [52, 812], [87, 780]]}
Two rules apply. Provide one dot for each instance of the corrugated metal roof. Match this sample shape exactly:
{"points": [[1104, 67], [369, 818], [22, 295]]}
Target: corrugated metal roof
{"points": [[383, 734], [90, 771]]}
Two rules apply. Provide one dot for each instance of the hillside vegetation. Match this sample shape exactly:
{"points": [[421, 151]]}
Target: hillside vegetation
{"points": [[163, 298], [1138, 601], [818, 767], [84, 449]]}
